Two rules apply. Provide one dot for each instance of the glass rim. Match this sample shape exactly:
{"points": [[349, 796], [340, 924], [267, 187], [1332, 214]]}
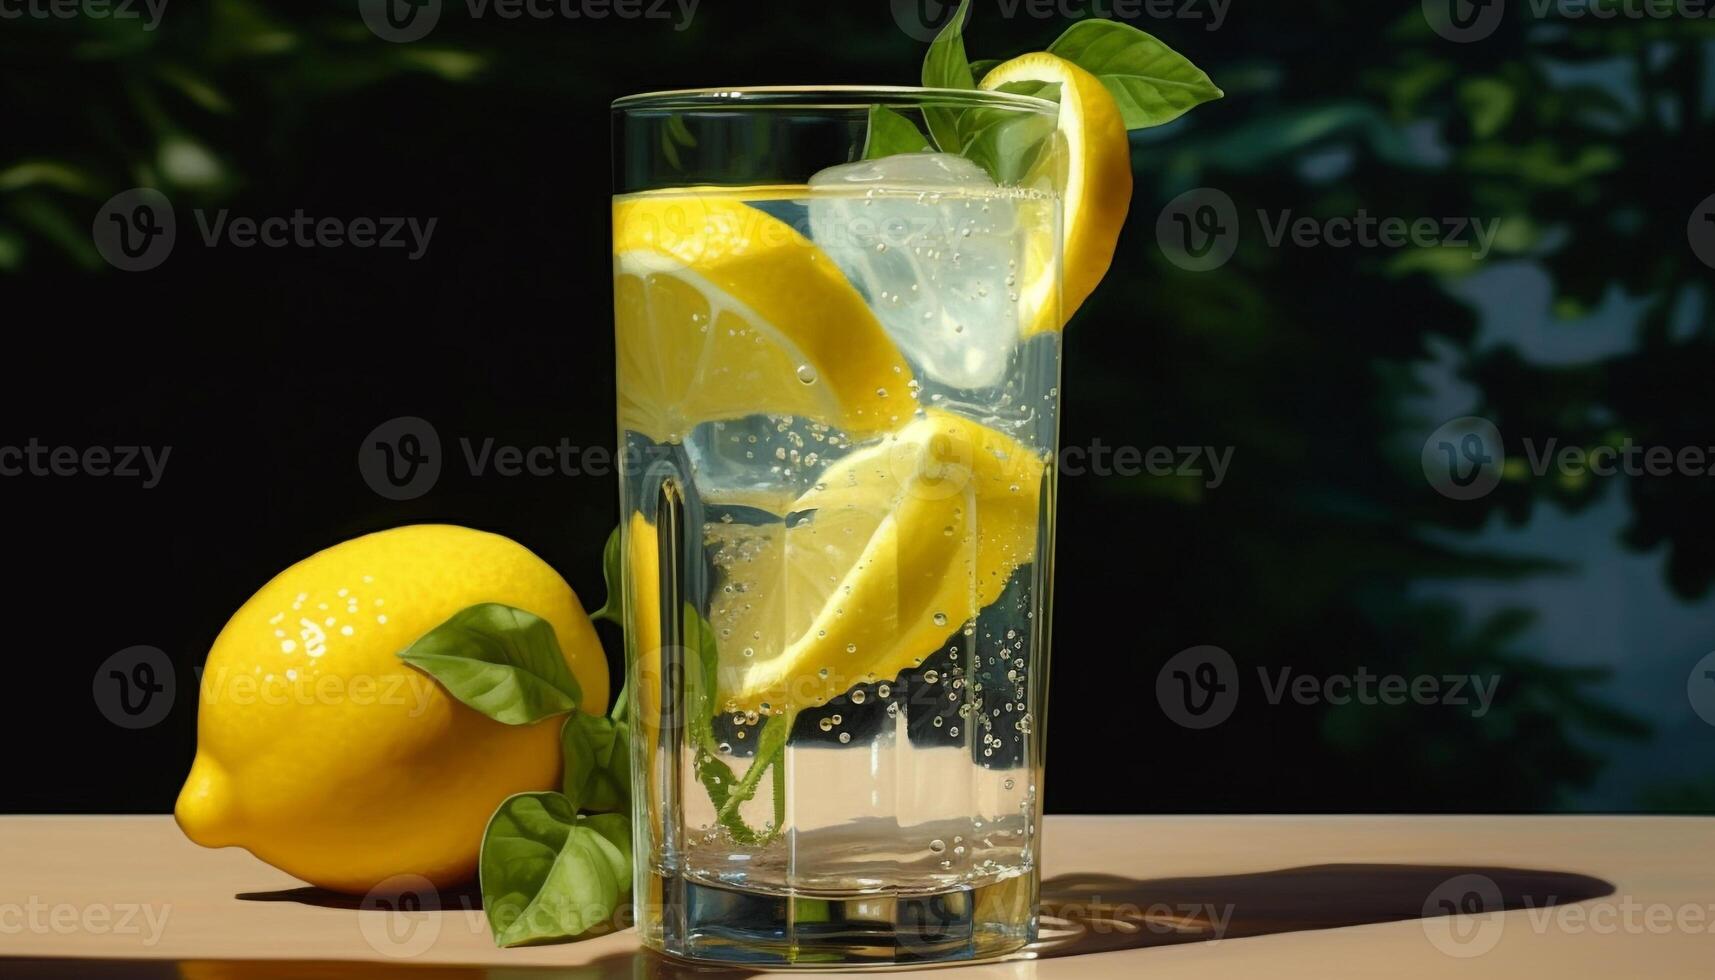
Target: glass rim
{"points": [[830, 97]]}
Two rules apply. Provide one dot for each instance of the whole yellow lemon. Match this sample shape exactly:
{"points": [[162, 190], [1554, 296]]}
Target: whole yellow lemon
{"points": [[323, 754]]}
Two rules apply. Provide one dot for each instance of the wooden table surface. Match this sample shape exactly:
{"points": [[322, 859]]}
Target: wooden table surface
{"points": [[1162, 897]]}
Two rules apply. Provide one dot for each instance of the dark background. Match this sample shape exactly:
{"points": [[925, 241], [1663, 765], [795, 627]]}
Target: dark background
{"points": [[1326, 550]]}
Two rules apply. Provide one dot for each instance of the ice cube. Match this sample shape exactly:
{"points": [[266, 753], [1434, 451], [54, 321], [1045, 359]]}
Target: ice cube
{"points": [[931, 243]]}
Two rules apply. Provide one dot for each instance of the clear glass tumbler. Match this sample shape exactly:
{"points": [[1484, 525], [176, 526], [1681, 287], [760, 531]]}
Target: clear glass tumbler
{"points": [[838, 359]]}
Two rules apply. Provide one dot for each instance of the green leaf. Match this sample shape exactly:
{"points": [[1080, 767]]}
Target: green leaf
{"points": [[947, 67], [611, 610], [1152, 83], [504, 662], [726, 790], [770, 744], [981, 67], [891, 133], [595, 763], [547, 874], [1007, 143]]}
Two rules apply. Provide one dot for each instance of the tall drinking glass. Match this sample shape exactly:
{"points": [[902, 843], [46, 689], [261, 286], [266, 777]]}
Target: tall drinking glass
{"points": [[838, 359]]}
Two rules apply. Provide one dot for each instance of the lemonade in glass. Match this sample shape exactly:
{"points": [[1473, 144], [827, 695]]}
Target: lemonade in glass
{"points": [[838, 381]]}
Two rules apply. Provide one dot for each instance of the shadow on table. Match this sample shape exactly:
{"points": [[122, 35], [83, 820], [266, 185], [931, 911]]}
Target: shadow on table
{"points": [[1085, 913], [1093, 913]]}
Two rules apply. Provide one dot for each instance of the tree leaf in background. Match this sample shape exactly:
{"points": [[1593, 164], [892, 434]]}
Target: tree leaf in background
{"points": [[504, 662], [1152, 83], [891, 133], [547, 874], [595, 763], [947, 67]]}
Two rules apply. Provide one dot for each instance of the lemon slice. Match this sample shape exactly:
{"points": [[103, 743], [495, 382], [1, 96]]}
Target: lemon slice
{"points": [[1098, 176], [898, 546], [724, 311]]}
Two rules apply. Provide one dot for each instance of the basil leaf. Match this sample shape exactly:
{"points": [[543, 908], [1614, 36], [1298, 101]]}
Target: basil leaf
{"points": [[726, 790], [981, 67], [610, 610], [504, 662], [770, 744], [1005, 143], [547, 874], [947, 67], [1152, 83], [890, 134], [595, 763]]}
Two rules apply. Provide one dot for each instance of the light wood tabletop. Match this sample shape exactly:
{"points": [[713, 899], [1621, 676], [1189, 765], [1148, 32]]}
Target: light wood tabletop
{"points": [[1163, 897]]}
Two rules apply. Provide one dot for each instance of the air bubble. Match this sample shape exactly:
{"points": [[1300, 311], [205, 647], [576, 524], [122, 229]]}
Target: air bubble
{"points": [[858, 696]]}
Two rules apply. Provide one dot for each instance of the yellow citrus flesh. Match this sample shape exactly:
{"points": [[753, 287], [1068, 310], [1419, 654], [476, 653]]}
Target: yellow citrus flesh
{"points": [[898, 546], [724, 311], [1098, 172], [328, 757]]}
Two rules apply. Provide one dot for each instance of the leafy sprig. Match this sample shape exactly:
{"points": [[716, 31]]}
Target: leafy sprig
{"points": [[1151, 83]]}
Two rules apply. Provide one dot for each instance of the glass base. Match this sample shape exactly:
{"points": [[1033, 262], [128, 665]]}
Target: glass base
{"points": [[718, 923]]}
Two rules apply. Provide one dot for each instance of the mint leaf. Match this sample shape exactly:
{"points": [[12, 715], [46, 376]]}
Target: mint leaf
{"points": [[595, 763], [611, 609], [504, 662], [891, 133], [1152, 83], [547, 874], [947, 67]]}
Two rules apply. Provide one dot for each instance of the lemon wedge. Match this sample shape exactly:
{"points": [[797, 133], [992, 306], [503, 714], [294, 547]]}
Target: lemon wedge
{"points": [[723, 311], [897, 547], [1097, 191]]}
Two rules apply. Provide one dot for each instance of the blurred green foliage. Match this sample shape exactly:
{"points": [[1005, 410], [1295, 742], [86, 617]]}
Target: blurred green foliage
{"points": [[1588, 139]]}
